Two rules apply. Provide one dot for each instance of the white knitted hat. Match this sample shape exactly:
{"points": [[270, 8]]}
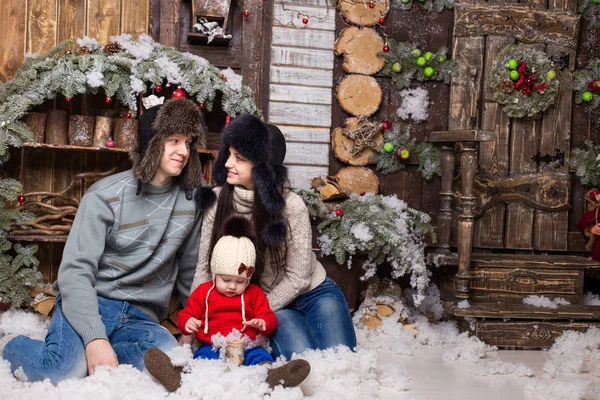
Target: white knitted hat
{"points": [[233, 256]]}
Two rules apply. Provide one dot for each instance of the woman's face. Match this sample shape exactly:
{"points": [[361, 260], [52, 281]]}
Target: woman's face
{"points": [[239, 170]]}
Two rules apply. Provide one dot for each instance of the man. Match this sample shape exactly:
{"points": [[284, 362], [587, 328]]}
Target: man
{"points": [[134, 235]]}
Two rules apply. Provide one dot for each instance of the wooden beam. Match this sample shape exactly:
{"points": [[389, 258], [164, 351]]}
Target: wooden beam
{"points": [[524, 311], [525, 23], [169, 23], [13, 33], [135, 17], [467, 135], [252, 47], [71, 19], [41, 26]]}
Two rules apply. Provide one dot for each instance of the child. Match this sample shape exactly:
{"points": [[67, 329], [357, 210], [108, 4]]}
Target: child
{"points": [[227, 303]]}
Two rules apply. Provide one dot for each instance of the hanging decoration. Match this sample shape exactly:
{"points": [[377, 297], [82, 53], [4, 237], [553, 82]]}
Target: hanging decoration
{"points": [[524, 81], [399, 147], [429, 5], [380, 229], [586, 84], [364, 135], [405, 62]]}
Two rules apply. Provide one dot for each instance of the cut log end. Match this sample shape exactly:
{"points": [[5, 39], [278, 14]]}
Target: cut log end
{"points": [[359, 95], [359, 48], [358, 12]]}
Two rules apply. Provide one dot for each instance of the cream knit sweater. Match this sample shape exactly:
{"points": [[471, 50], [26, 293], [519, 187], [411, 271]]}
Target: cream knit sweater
{"points": [[303, 271]]}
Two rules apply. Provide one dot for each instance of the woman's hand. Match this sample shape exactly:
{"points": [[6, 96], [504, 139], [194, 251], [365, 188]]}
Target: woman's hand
{"points": [[596, 229], [256, 323], [192, 325]]}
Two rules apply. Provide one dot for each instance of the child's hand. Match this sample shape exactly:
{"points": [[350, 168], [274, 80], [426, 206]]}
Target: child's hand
{"points": [[192, 325], [256, 323]]}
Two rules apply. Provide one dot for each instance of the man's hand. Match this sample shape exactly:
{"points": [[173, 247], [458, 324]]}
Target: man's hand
{"points": [[100, 352], [256, 323], [596, 229], [192, 325]]}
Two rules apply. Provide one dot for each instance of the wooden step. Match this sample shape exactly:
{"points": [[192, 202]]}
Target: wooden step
{"points": [[526, 311], [527, 261]]}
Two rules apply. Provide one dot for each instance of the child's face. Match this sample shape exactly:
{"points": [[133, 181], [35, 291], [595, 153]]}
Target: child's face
{"points": [[230, 285]]}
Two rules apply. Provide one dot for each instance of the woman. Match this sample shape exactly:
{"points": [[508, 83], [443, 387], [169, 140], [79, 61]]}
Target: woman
{"points": [[251, 182]]}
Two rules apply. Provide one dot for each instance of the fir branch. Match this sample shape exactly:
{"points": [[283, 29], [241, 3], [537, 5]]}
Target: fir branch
{"points": [[429, 5], [312, 200], [585, 163], [586, 80]]}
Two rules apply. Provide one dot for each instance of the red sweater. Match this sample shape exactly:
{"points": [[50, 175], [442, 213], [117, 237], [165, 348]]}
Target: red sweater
{"points": [[225, 313]]}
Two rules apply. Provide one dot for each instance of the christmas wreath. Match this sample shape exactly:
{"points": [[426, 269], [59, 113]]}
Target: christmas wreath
{"points": [[523, 80], [404, 62], [429, 5], [586, 84], [399, 146], [585, 164], [590, 10], [384, 229]]}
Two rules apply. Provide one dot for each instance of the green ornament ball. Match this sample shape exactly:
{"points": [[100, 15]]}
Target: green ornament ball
{"points": [[587, 96], [428, 55], [596, 1], [598, 83], [512, 64], [416, 52], [405, 1], [442, 59], [421, 61], [551, 74], [396, 67], [388, 147], [428, 72], [514, 75], [422, 1]]}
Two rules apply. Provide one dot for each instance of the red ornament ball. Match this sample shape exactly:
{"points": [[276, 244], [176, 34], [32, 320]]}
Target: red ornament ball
{"points": [[202, 106], [21, 199], [381, 21], [179, 93], [108, 100], [338, 212], [305, 20], [371, 5], [128, 115], [68, 99], [110, 143], [246, 13], [386, 125], [386, 48], [158, 88], [227, 120]]}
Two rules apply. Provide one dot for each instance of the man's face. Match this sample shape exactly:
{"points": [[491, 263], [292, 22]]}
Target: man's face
{"points": [[176, 153]]}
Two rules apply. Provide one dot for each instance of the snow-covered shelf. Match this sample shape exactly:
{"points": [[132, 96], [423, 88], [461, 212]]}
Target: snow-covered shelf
{"points": [[94, 148]]}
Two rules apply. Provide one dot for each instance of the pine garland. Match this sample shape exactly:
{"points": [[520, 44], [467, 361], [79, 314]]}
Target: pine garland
{"points": [[401, 64], [312, 200], [18, 265], [384, 229], [429, 5], [125, 74], [585, 163], [534, 91], [586, 84], [399, 137]]}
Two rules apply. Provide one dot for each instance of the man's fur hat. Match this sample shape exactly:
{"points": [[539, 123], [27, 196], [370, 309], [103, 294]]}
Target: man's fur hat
{"points": [[176, 116]]}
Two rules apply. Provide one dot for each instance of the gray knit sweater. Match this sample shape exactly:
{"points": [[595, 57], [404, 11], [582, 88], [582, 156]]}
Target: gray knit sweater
{"points": [[129, 247], [303, 271]]}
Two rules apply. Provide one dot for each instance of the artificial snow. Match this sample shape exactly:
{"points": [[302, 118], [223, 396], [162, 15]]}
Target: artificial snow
{"points": [[545, 302], [591, 299], [414, 104]]}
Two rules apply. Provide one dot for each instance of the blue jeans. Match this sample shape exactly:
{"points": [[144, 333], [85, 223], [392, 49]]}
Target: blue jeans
{"points": [[318, 319], [62, 355], [252, 356]]}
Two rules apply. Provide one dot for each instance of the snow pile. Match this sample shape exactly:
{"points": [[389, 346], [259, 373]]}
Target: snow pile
{"points": [[498, 367], [543, 301], [563, 389], [463, 304], [572, 351], [468, 348], [591, 299], [33, 325], [414, 104]]}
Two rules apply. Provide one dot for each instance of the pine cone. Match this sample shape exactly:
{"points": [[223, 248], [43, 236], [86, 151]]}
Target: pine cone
{"points": [[507, 86], [112, 48], [83, 51]]}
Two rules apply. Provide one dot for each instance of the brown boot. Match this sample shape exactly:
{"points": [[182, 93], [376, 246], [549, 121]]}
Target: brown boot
{"points": [[159, 365], [288, 375]]}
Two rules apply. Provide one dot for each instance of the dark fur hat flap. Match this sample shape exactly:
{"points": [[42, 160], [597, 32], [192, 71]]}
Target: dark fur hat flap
{"points": [[266, 189], [205, 198], [275, 233]]}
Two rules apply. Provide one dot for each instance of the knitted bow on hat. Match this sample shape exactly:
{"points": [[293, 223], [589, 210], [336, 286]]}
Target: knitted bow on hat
{"points": [[249, 270]]}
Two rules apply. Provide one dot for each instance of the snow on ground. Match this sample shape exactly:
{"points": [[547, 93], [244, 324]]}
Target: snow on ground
{"points": [[389, 363]]}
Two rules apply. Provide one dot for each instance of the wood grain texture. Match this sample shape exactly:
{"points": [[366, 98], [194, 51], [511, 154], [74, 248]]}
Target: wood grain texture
{"points": [[252, 47], [302, 174], [287, 14], [315, 115], [312, 38], [103, 19], [521, 22], [301, 76], [41, 26], [13, 25], [299, 57], [305, 134], [71, 19], [169, 23], [300, 94], [135, 17], [315, 154]]}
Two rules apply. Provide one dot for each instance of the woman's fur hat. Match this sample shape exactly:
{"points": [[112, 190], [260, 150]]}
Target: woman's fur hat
{"points": [[176, 116], [264, 146]]}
